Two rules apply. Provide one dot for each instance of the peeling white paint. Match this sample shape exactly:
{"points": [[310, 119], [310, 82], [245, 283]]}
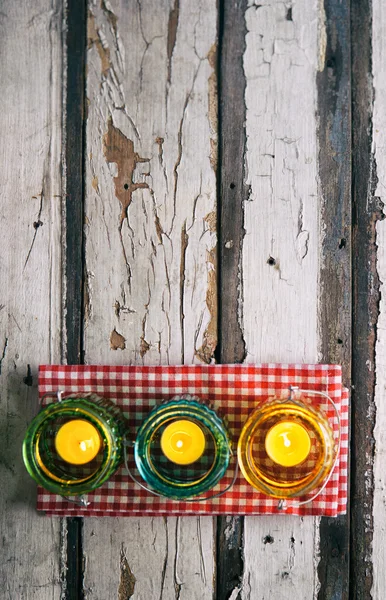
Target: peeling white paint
{"points": [[281, 250], [31, 72], [378, 557], [152, 270]]}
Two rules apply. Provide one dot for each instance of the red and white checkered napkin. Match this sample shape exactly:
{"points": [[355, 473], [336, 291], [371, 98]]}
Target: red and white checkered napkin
{"points": [[233, 390]]}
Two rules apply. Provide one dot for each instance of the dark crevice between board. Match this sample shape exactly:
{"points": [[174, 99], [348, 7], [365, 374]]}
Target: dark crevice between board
{"points": [[232, 192], [74, 154], [334, 164], [367, 210]]}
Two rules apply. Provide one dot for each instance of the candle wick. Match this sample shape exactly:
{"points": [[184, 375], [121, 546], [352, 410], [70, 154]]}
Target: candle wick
{"points": [[287, 442]]}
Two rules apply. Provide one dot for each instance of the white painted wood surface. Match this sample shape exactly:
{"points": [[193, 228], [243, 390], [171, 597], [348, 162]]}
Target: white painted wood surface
{"points": [[279, 307], [30, 275], [379, 146], [151, 249]]}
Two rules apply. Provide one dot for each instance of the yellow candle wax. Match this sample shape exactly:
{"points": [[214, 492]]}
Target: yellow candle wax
{"points": [[288, 444], [77, 442], [183, 442]]}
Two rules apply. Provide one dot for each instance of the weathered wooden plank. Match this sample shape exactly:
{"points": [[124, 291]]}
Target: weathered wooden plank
{"points": [[334, 140], [233, 192], [378, 556], [131, 558], [151, 294], [30, 274], [367, 210], [285, 48]]}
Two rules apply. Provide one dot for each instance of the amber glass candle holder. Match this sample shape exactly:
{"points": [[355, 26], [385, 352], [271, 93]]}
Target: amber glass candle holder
{"points": [[288, 447]]}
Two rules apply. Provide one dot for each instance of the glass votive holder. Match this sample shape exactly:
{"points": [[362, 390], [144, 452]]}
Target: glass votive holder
{"points": [[74, 445], [182, 449], [288, 446]]}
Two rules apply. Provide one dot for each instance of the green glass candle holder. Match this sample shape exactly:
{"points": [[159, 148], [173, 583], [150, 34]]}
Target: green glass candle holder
{"points": [[205, 449], [52, 467]]}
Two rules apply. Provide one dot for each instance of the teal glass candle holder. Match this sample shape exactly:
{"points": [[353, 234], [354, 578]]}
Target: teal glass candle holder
{"points": [[74, 445], [182, 449]]}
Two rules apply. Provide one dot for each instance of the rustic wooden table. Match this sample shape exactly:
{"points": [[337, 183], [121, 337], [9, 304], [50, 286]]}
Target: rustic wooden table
{"points": [[181, 182]]}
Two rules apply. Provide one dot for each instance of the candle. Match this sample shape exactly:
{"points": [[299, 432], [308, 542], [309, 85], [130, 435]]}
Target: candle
{"points": [[183, 442], [77, 442], [288, 443]]}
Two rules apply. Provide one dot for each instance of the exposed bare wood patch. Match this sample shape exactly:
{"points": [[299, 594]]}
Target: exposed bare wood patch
{"points": [[172, 35], [120, 150], [94, 38], [127, 580], [117, 341], [144, 347], [211, 219]]}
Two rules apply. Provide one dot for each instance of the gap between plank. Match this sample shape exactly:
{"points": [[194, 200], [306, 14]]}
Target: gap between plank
{"points": [[334, 164], [74, 154], [232, 192], [366, 297]]}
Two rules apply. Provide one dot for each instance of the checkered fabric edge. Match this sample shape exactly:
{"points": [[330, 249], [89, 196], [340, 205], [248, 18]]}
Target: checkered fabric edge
{"points": [[232, 390]]}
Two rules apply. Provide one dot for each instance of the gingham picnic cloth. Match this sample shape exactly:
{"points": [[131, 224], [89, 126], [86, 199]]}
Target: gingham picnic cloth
{"points": [[233, 391]]}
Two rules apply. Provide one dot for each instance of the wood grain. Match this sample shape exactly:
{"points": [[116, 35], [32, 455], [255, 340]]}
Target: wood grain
{"points": [[367, 210], [151, 256], [233, 193], [334, 140], [377, 553], [73, 184], [30, 274], [285, 47]]}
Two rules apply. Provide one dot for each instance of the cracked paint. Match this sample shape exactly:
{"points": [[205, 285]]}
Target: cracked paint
{"points": [[111, 17], [36, 225], [209, 340], [213, 108], [3, 353], [184, 245], [94, 38], [172, 35], [87, 304]]}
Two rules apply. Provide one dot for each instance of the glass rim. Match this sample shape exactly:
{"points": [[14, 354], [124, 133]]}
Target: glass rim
{"points": [[91, 412], [197, 412]]}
